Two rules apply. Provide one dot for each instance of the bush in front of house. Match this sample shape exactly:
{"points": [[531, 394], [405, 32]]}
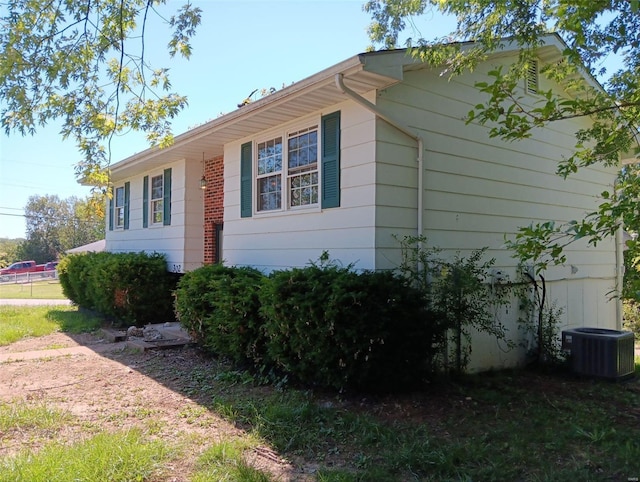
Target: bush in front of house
{"points": [[131, 288], [324, 326], [219, 307], [74, 274], [330, 326]]}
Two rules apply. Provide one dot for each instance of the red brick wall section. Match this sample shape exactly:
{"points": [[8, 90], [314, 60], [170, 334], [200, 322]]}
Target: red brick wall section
{"points": [[213, 205]]}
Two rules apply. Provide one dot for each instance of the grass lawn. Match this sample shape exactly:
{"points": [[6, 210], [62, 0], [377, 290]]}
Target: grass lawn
{"points": [[45, 290], [18, 322], [505, 426]]}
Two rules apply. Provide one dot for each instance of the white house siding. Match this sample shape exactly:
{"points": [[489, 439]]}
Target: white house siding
{"points": [[294, 238], [182, 241], [478, 189]]}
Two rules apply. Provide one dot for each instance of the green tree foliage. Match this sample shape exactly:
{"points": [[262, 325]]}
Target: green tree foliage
{"points": [[8, 251], [55, 225], [84, 63], [594, 32]]}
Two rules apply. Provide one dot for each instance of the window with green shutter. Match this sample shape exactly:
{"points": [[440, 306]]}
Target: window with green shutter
{"points": [[145, 202], [292, 170], [127, 195], [166, 214], [331, 160], [246, 180]]}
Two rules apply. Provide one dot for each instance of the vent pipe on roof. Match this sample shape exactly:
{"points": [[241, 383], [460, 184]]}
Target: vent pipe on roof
{"points": [[405, 130]]}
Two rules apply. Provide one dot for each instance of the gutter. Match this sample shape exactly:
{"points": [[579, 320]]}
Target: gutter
{"points": [[405, 130]]}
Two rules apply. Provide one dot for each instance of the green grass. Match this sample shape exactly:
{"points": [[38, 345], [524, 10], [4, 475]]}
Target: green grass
{"points": [[513, 425], [18, 322], [508, 426], [44, 290], [20, 416], [225, 461], [124, 456]]}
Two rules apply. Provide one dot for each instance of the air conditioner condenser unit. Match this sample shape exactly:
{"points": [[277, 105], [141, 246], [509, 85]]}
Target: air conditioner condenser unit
{"points": [[600, 352]]}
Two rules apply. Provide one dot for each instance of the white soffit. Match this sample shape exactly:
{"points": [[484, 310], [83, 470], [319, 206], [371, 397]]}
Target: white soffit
{"points": [[310, 95]]}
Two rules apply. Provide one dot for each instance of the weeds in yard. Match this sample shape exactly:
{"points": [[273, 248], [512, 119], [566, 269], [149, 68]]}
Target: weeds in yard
{"points": [[505, 426], [22, 416], [125, 456], [225, 461]]}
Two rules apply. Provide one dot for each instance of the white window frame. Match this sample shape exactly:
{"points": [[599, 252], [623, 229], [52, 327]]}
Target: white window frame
{"points": [[118, 209], [156, 204], [287, 174]]}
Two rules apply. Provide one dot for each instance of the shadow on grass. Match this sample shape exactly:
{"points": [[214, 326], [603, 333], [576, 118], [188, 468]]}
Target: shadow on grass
{"points": [[515, 425], [75, 322]]}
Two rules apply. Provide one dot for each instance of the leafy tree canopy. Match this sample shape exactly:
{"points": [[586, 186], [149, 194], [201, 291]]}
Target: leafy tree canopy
{"points": [[602, 37], [55, 225], [83, 62]]}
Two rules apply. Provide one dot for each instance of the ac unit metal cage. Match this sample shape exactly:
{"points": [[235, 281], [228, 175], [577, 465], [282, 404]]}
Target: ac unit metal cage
{"points": [[600, 352]]}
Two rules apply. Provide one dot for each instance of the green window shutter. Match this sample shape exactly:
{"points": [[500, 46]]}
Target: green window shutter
{"points": [[166, 202], [127, 194], [330, 197], [145, 202], [246, 180], [111, 207]]}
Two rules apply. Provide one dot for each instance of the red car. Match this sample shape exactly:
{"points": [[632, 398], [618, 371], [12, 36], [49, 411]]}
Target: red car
{"points": [[23, 267]]}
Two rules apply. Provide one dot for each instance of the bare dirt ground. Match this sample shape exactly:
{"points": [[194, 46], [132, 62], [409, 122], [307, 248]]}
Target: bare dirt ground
{"points": [[120, 389]]}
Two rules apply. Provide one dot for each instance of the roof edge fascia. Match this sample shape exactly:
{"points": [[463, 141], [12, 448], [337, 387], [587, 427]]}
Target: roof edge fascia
{"points": [[345, 67]]}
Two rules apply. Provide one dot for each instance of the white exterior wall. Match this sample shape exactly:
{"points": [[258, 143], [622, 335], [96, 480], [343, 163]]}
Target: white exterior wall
{"points": [[182, 241], [477, 190], [279, 240]]}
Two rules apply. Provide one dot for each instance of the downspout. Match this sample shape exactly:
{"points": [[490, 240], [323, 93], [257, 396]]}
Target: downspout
{"points": [[373, 108], [619, 275]]}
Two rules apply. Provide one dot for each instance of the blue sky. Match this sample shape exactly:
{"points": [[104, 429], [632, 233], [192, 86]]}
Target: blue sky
{"points": [[240, 46]]}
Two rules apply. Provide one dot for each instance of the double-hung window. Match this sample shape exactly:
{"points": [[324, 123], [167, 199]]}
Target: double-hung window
{"points": [[119, 207], [157, 199], [302, 163], [288, 176], [292, 170], [269, 174]]}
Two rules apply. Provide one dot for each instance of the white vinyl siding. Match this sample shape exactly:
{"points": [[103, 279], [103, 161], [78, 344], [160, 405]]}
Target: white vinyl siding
{"points": [[479, 190], [282, 239], [183, 241]]}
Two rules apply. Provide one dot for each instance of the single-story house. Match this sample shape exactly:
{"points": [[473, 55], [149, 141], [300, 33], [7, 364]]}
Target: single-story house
{"points": [[368, 149]]}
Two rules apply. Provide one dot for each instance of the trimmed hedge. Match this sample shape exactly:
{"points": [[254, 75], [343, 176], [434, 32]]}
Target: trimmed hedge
{"points": [[324, 326], [219, 306], [333, 327], [131, 288]]}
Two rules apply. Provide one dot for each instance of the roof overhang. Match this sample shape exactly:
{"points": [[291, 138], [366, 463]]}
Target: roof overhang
{"points": [[362, 73]]}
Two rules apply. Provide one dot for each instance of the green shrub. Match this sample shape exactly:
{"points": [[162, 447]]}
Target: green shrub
{"points": [[632, 317], [131, 288], [333, 327], [219, 307], [74, 278]]}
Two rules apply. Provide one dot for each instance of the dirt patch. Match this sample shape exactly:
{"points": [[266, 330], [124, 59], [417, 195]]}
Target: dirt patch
{"points": [[168, 394], [55, 340], [121, 389]]}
